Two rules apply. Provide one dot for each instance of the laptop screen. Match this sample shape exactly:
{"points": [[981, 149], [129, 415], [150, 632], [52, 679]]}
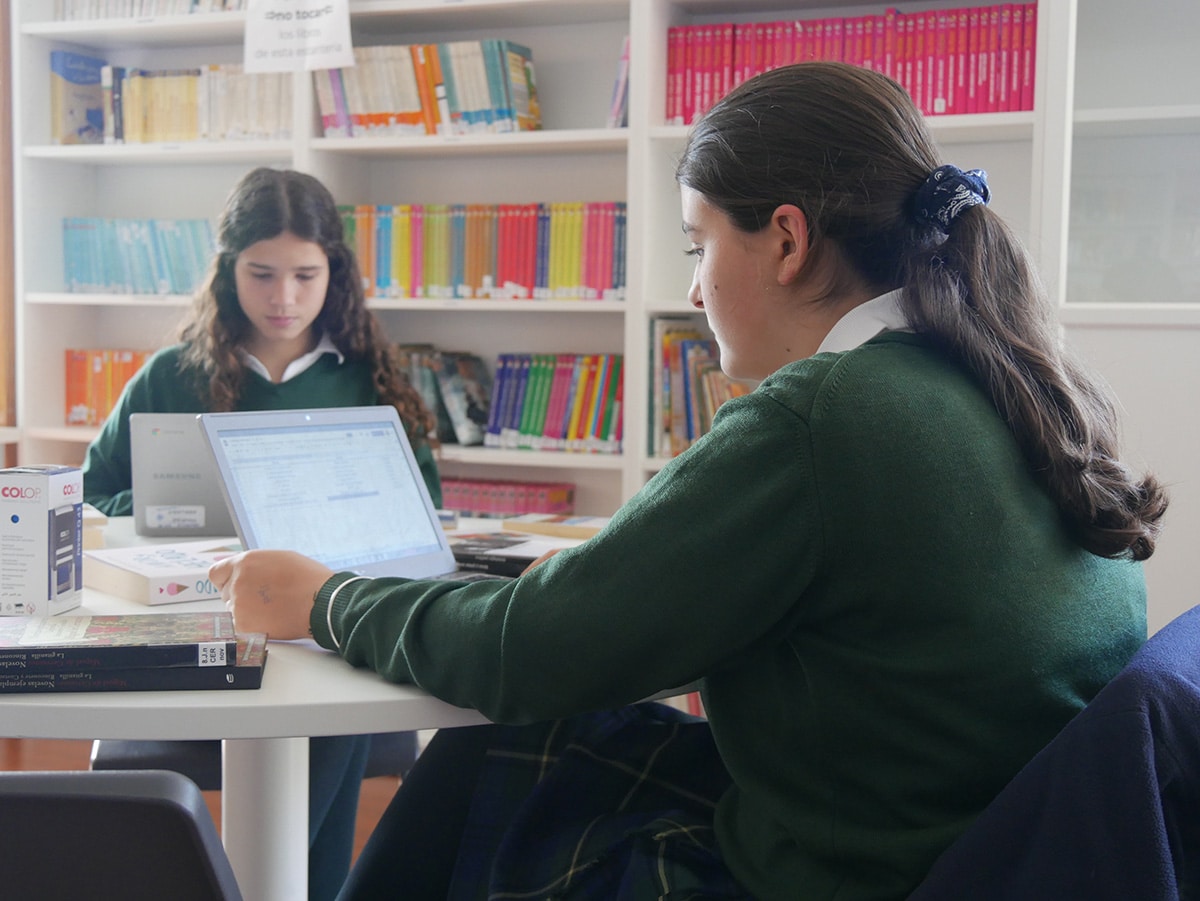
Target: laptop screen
{"points": [[341, 486]]}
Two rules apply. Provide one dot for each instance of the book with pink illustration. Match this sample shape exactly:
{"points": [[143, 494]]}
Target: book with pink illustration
{"points": [[157, 573]]}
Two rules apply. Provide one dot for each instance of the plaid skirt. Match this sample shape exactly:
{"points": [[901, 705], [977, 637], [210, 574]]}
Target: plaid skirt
{"points": [[612, 806]]}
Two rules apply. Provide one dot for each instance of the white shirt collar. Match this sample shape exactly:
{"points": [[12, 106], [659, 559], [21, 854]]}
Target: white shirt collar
{"points": [[864, 322], [298, 365]]}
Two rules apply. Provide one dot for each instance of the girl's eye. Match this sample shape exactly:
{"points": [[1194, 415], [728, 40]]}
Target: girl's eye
{"points": [[261, 276], [694, 252]]}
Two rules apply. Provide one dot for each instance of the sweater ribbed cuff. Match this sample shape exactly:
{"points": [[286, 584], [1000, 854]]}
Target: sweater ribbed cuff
{"points": [[321, 619]]}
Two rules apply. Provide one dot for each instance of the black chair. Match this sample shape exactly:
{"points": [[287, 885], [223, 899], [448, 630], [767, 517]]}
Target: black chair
{"points": [[137, 835], [391, 754], [1110, 809]]}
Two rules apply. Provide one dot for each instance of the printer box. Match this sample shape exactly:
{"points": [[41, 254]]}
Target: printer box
{"points": [[41, 540]]}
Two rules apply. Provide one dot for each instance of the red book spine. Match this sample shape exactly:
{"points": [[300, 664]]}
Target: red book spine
{"points": [[674, 115], [688, 92], [871, 49], [1028, 56], [989, 98], [974, 35], [723, 57], [1002, 72], [890, 40], [760, 48], [1014, 56]]}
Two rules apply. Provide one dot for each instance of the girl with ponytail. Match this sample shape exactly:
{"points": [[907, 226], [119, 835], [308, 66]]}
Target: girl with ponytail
{"points": [[897, 568]]}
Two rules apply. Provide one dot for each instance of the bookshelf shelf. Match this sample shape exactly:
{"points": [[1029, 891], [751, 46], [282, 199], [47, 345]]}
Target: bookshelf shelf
{"points": [[533, 143], [144, 31], [156, 301], [248, 152], [537, 459], [1138, 121], [76, 435], [582, 307]]}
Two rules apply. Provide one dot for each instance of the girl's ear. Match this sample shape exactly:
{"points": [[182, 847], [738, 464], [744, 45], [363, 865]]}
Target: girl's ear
{"points": [[791, 229]]}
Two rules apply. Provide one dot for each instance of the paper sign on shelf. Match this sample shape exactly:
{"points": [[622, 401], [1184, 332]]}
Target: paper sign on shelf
{"points": [[293, 35]]}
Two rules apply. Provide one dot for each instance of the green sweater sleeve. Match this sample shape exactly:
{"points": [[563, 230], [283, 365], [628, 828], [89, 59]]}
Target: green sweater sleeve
{"points": [[587, 628]]}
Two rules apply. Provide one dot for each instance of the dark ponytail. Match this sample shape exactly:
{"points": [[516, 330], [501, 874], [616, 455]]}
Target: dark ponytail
{"points": [[847, 146]]}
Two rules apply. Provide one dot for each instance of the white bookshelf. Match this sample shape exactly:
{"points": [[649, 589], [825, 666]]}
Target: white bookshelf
{"points": [[1117, 105]]}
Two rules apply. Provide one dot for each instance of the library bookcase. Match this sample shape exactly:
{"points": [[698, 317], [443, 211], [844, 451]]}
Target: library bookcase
{"points": [[1101, 179]]}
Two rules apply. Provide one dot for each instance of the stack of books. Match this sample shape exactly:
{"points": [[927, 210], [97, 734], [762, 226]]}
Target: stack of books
{"points": [[134, 652]]}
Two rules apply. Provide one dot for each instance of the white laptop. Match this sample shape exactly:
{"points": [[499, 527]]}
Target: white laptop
{"points": [[339, 485], [176, 489]]}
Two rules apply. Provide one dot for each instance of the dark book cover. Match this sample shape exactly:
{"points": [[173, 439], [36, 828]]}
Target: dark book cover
{"points": [[56, 644], [499, 553], [246, 672]]}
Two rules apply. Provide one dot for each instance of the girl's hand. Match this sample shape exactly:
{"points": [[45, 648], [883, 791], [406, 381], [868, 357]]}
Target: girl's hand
{"points": [[270, 591]]}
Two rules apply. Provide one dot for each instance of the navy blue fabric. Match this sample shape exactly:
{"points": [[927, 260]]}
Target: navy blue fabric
{"points": [[1110, 809]]}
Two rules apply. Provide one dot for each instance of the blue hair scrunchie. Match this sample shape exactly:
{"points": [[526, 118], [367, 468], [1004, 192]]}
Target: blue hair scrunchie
{"points": [[947, 192]]}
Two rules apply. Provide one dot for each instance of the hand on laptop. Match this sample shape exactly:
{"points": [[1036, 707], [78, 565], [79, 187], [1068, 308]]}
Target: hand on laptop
{"points": [[270, 591]]}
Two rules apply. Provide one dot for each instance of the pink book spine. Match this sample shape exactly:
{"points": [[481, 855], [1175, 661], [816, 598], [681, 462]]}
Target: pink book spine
{"points": [[854, 40], [840, 37], [989, 98], [674, 111], [688, 92], [723, 82], [805, 40], [870, 49], [941, 63], [1028, 56], [743, 39], [974, 39], [905, 33], [704, 67], [1004, 58], [417, 237], [961, 43], [1014, 56], [890, 40], [760, 48]]}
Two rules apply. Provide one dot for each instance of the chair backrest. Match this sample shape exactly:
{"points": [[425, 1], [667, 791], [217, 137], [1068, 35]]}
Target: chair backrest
{"points": [[1110, 809], [138, 835]]}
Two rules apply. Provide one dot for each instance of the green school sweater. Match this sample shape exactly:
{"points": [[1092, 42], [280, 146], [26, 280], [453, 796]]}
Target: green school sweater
{"points": [[161, 387], [885, 610]]}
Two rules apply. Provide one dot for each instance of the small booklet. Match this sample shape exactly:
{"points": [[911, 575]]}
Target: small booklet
{"points": [[158, 573]]}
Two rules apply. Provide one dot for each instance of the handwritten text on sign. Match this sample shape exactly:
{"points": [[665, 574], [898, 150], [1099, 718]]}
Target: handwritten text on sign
{"points": [[291, 35]]}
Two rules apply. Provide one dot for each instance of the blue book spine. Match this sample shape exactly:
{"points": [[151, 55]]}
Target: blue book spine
{"points": [[383, 250]]}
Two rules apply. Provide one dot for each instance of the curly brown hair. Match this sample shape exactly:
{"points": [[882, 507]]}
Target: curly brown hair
{"points": [[264, 204]]}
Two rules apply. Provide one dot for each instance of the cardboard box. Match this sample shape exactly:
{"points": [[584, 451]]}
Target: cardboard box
{"points": [[41, 540]]}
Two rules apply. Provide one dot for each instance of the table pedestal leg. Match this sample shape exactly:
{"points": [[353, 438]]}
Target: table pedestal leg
{"points": [[264, 816]]}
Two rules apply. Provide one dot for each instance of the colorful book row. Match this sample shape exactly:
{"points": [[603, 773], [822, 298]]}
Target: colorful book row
{"points": [[497, 498], [93, 102], [209, 103], [951, 61], [121, 9], [567, 402], [135, 256], [688, 385], [453, 88], [94, 379], [543, 251]]}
